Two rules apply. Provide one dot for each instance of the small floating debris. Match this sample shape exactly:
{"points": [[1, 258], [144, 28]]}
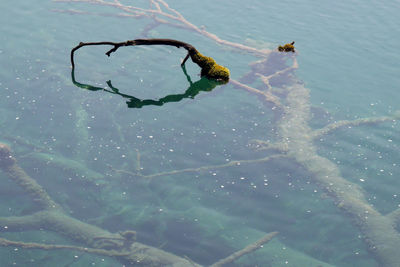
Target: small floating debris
{"points": [[287, 48]]}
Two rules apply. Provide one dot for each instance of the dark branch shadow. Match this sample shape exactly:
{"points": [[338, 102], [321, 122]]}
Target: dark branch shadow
{"points": [[195, 88]]}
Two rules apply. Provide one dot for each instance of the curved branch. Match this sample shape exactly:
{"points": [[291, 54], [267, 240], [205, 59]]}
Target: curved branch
{"points": [[209, 68]]}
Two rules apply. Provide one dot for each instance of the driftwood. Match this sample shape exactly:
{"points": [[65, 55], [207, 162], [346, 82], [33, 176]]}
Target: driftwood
{"points": [[209, 68]]}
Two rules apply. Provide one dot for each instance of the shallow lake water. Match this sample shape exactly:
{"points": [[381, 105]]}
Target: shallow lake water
{"points": [[199, 169]]}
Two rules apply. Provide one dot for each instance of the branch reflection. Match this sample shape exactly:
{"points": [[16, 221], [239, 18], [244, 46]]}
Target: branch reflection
{"points": [[194, 89]]}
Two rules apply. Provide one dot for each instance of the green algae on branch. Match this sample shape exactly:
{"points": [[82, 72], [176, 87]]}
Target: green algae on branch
{"points": [[287, 47], [209, 68]]}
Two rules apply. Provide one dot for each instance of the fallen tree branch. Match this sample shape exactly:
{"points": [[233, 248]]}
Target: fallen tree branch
{"points": [[339, 124], [394, 216], [110, 253], [266, 79], [247, 250], [209, 68], [170, 17], [52, 218], [199, 169], [266, 95], [8, 165]]}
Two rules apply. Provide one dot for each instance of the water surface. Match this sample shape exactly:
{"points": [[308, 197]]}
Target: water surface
{"points": [[85, 146]]}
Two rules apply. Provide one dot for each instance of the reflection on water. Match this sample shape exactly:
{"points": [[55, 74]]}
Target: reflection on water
{"points": [[204, 84]]}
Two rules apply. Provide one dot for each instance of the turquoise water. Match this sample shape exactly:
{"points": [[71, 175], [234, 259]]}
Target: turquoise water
{"points": [[86, 147]]}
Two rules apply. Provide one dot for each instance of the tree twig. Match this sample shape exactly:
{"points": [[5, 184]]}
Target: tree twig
{"points": [[247, 250]]}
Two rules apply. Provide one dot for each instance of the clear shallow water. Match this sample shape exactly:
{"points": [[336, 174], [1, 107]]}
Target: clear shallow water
{"points": [[72, 140]]}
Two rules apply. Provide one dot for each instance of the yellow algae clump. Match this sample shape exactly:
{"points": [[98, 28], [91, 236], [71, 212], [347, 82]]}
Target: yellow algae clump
{"points": [[210, 68], [287, 48]]}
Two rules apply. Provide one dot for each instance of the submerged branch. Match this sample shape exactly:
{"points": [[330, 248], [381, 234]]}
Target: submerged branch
{"points": [[29, 245], [266, 95], [120, 245], [394, 216], [266, 79], [162, 13], [247, 250], [199, 169], [339, 124], [9, 165]]}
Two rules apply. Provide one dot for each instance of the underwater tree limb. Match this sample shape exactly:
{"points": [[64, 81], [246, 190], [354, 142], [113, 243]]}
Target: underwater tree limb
{"points": [[266, 95], [379, 233], [209, 68], [267, 145], [349, 123], [31, 245], [54, 219], [247, 250], [9, 166], [19, 223], [202, 168], [168, 15], [266, 79], [394, 216]]}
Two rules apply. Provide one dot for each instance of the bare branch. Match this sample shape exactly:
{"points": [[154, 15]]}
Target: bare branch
{"points": [[209, 68], [174, 15], [349, 123], [9, 165], [28, 245], [266, 79], [247, 250], [214, 167], [266, 95], [267, 145], [198, 169]]}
